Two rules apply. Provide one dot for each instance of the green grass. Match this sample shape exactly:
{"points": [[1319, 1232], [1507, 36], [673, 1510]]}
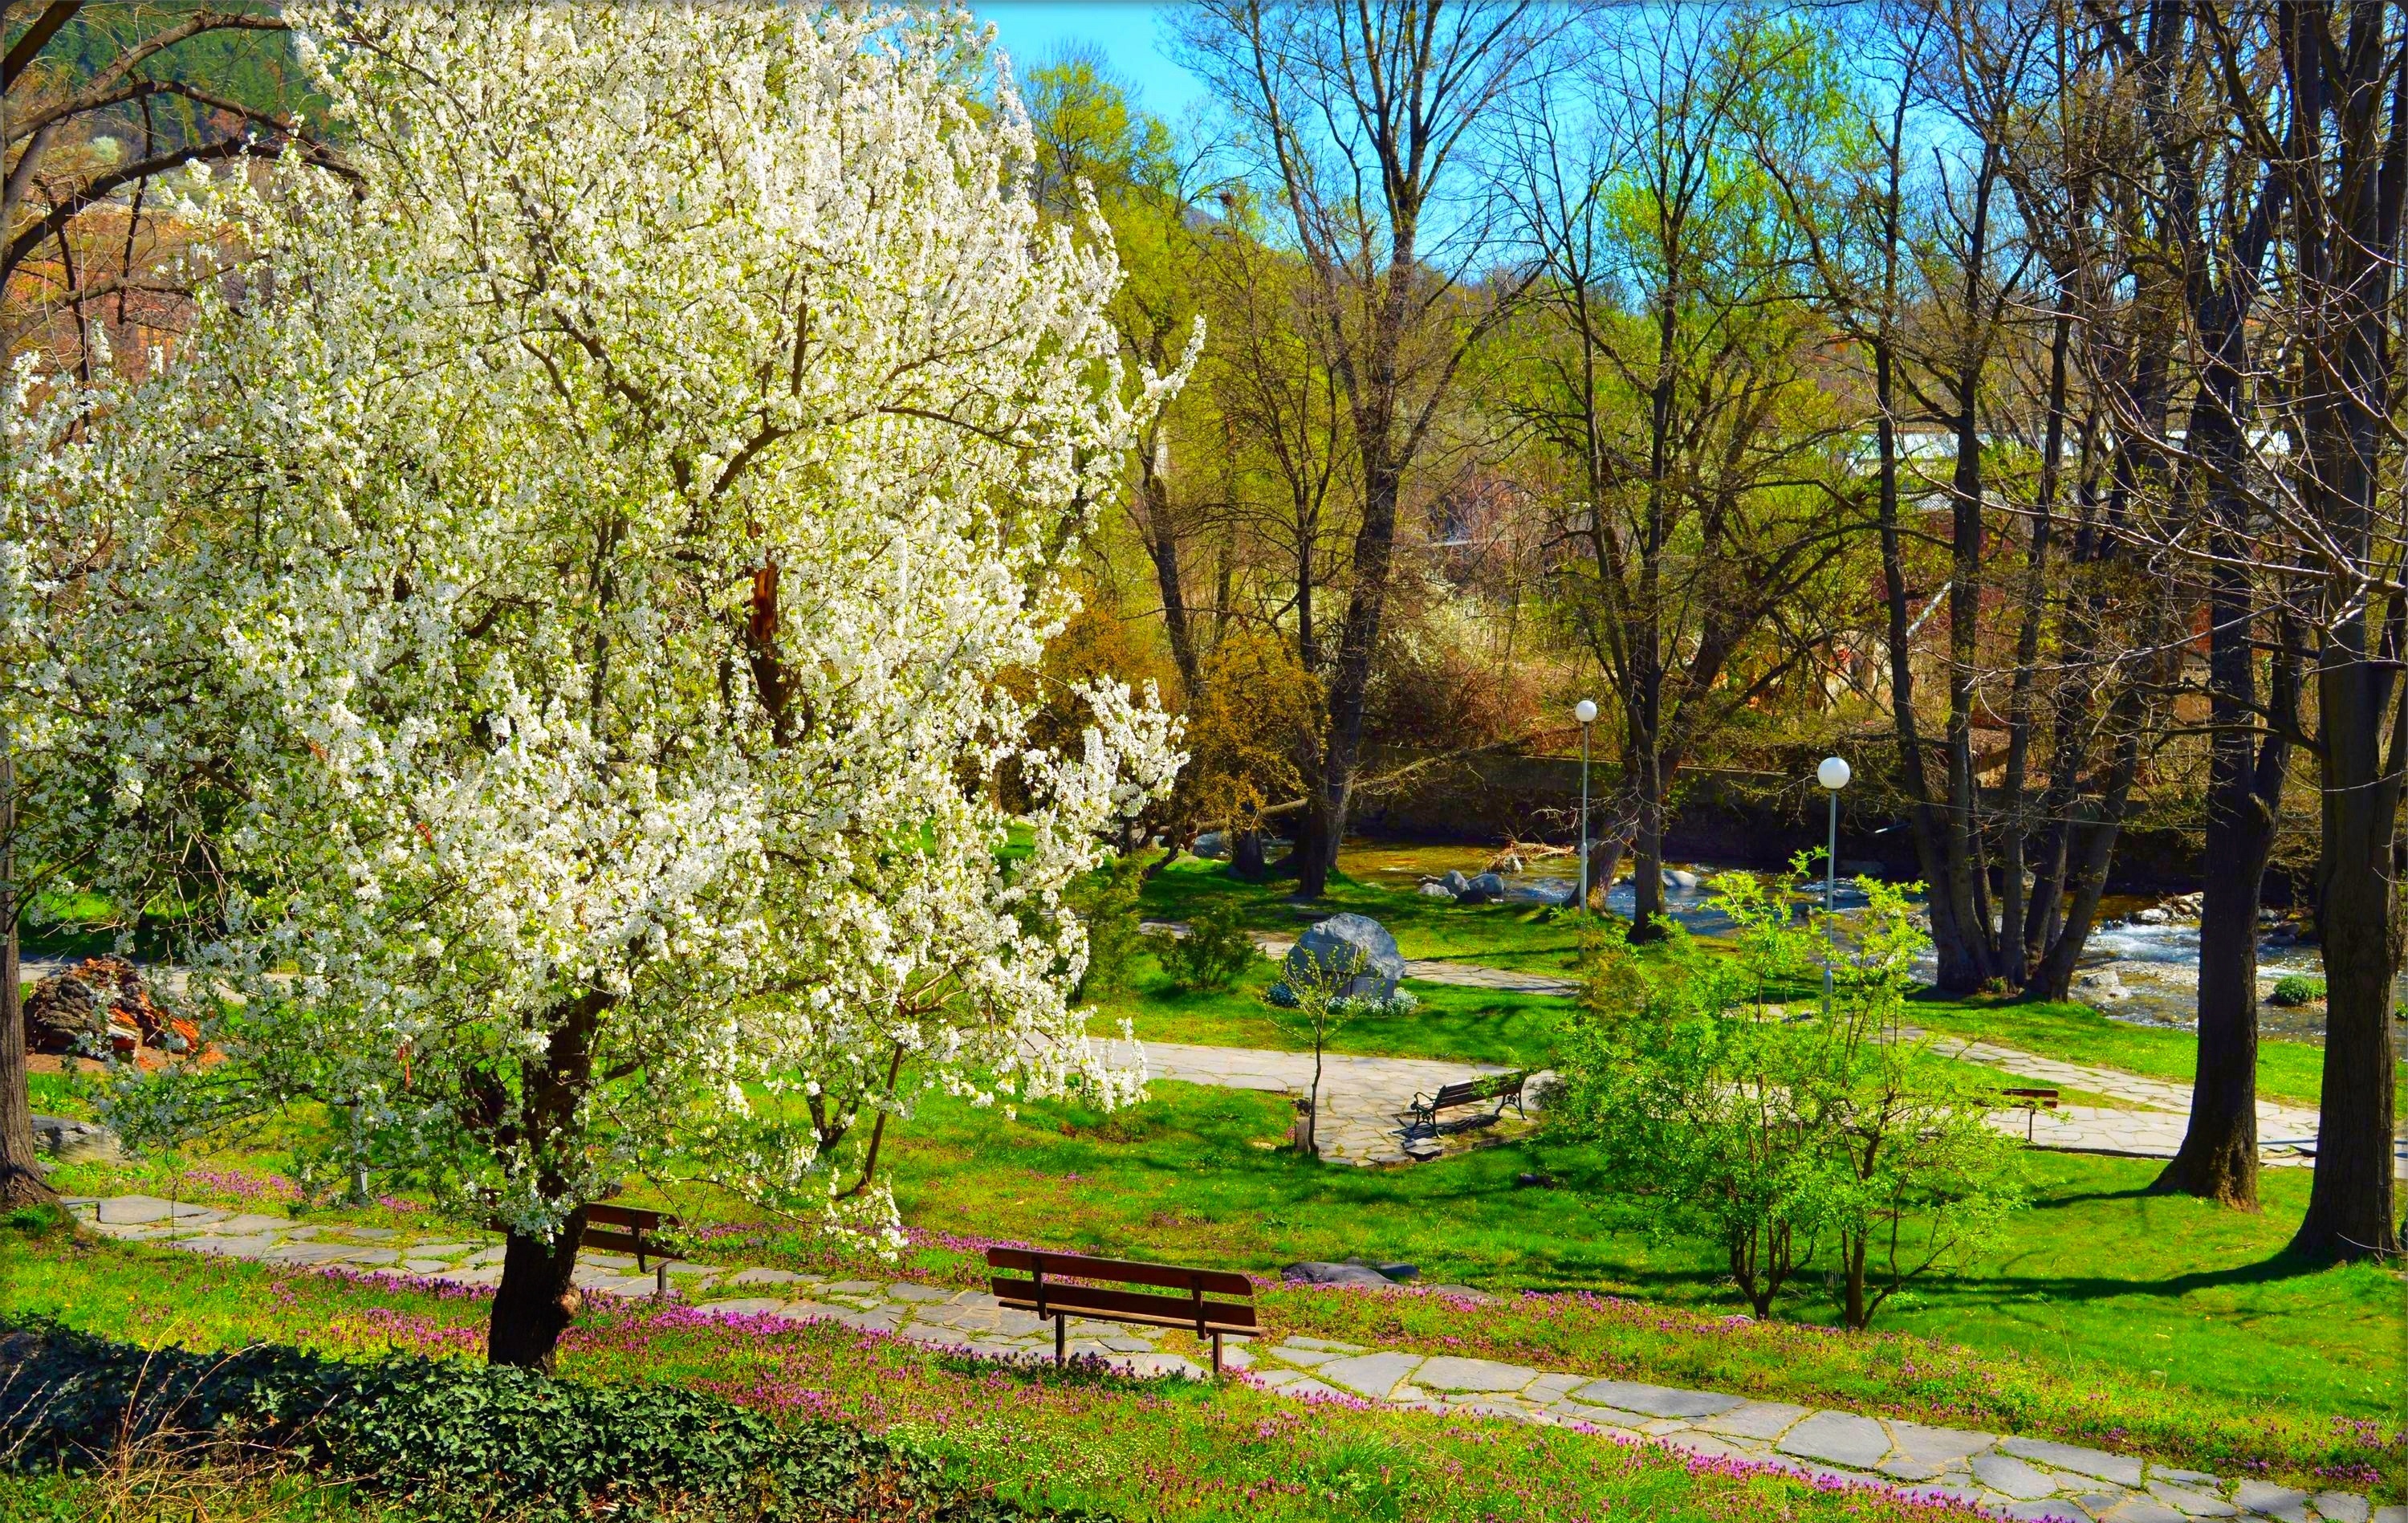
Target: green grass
{"points": [[1517, 936], [1166, 1450], [2289, 1072], [1474, 1026], [1539, 939], [2084, 1285]]}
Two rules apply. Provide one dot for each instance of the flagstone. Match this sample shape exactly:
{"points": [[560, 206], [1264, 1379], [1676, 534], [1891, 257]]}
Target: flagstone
{"points": [[1754, 1419], [1841, 1437], [2270, 1500], [2096, 1463], [2342, 1507], [1655, 1400], [1369, 1374], [2190, 1500], [2138, 1508], [2008, 1475], [1449, 1372]]}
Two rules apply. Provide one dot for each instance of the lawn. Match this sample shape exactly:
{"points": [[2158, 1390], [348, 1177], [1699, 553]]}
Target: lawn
{"points": [[1472, 1026], [1539, 939], [1168, 1450], [2098, 1281]]}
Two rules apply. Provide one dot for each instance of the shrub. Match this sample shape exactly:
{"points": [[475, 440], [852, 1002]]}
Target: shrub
{"points": [[1107, 901], [1214, 953], [1776, 1139], [458, 1440], [2298, 989]]}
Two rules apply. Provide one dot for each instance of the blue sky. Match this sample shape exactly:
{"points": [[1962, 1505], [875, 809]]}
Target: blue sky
{"points": [[1131, 33]]}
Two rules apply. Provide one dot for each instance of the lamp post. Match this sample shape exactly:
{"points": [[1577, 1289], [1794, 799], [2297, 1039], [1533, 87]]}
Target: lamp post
{"points": [[1833, 775], [1585, 711]]}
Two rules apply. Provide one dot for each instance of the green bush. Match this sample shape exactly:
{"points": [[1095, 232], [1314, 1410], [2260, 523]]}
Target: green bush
{"points": [[1213, 956], [2298, 989], [457, 1440], [1107, 901]]}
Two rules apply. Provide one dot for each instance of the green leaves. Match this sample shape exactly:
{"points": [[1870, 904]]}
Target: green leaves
{"points": [[1779, 1132], [457, 1440]]}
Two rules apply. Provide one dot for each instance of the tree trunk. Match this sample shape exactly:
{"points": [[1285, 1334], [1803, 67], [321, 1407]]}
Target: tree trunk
{"points": [[537, 1297], [1161, 538], [21, 1174], [1358, 640], [1646, 848], [2218, 1156], [1851, 1282]]}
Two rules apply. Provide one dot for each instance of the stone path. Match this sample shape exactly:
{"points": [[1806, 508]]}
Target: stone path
{"points": [[2014, 1478], [1361, 1096]]}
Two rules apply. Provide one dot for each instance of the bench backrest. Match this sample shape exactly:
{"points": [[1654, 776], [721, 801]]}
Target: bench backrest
{"points": [[1210, 1300], [1488, 1086], [638, 1223]]}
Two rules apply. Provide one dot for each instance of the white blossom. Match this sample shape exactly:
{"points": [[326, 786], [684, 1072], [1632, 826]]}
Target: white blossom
{"points": [[557, 606]]}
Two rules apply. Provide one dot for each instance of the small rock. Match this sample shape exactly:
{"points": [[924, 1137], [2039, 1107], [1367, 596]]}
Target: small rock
{"points": [[76, 1142], [1454, 879], [1484, 889], [1315, 1272], [1556, 891], [2152, 915], [1433, 889], [1680, 877]]}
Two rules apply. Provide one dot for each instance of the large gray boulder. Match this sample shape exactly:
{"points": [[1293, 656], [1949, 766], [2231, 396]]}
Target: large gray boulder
{"points": [[70, 1140], [1343, 942], [1454, 879]]}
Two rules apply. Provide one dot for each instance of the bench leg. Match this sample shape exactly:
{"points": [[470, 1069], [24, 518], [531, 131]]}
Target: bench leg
{"points": [[661, 1281], [1061, 1338], [1217, 1356]]}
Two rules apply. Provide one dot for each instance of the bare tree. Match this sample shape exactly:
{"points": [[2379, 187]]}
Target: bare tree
{"points": [[1364, 115], [1670, 362]]}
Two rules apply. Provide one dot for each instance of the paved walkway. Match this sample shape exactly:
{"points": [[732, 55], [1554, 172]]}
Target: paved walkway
{"points": [[2015, 1477], [2148, 1125], [1361, 1098]]}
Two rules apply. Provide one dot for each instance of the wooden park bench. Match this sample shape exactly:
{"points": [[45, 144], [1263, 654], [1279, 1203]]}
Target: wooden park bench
{"points": [[630, 1229], [1503, 1089], [2031, 1102], [1051, 1290]]}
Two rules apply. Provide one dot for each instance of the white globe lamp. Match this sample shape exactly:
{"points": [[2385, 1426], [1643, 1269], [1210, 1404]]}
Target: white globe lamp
{"points": [[1833, 775], [1585, 711]]}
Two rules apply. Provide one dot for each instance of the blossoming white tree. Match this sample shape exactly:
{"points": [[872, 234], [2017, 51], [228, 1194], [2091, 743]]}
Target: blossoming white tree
{"points": [[560, 598]]}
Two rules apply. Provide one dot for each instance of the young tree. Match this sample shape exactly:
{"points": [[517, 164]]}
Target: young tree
{"points": [[1762, 1131], [1315, 1005], [566, 595]]}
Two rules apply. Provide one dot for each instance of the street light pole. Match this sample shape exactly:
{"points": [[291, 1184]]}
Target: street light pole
{"points": [[1833, 775], [1585, 711]]}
